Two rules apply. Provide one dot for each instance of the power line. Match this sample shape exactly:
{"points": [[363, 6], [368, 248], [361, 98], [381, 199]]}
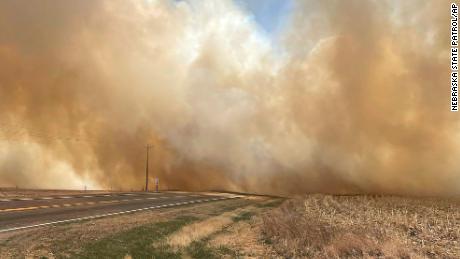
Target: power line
{"points": [[21, 131], [18, 132]]}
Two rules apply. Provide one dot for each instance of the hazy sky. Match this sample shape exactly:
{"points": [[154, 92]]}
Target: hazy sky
{"points": [[269, 14]]}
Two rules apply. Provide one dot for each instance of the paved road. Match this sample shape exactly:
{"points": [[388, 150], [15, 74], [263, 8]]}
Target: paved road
{"points": [[22, 213]]}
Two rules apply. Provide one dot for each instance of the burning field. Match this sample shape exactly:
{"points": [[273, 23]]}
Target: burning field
{"points": [[346, 99], [338, 97]]}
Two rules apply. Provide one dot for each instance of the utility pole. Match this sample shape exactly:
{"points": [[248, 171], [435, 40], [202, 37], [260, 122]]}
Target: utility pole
{"points": [[148, 147]]}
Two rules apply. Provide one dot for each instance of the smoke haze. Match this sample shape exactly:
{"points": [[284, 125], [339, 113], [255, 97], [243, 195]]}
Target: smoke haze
{"points": [[349, 96]]}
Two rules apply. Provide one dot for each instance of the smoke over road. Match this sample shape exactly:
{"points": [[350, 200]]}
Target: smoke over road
{"points": [[349, 96]]}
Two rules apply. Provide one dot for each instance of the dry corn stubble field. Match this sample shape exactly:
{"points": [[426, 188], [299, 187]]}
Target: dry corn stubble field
{"points": [[326, 226]]}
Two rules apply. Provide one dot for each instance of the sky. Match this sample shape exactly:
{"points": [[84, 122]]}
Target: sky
{"points": [[269, 14]]}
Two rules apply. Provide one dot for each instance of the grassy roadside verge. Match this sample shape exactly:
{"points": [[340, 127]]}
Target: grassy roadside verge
{"points": [[141, 235], [137, 242], [154, 240], [116, 237], [203, 248], [237, 236]]}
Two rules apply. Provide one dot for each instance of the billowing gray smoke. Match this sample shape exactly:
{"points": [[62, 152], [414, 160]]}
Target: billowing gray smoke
{"points": [[353, 96]]}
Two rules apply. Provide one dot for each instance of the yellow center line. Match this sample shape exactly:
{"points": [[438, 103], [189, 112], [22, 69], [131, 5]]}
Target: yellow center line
{"points": [[20, 209], [64, 205], [114, 201]]}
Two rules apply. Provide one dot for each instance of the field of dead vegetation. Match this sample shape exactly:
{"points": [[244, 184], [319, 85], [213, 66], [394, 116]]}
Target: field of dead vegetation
{"points": [[325, 226]]}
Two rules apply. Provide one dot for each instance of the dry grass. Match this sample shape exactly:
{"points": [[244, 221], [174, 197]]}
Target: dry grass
{"points": [[233, 234], [244, 238], [228, 235], [324, 226], [200, 230]]}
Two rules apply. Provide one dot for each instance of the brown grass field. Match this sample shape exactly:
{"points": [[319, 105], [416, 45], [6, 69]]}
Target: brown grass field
{"points": [[325, 226]]}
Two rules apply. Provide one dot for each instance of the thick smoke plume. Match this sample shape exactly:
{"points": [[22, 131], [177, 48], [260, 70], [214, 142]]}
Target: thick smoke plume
{"points": [[350, 96]]}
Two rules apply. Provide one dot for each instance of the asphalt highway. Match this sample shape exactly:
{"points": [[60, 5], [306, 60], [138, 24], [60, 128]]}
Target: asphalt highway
{"points": [[23, 213]]}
